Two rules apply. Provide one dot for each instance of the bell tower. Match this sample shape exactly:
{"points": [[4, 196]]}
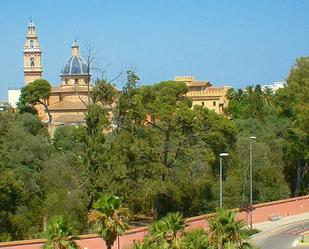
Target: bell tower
{"points": [[32, 55]]}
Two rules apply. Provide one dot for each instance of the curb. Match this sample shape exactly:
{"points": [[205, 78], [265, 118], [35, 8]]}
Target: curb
{"points": [[278, 228]]}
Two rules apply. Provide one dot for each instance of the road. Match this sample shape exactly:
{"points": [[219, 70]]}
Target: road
{"points": [[282, 238]]}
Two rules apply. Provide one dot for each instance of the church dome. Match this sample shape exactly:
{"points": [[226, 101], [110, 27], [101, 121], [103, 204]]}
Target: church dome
{"points": [[75, 65]]}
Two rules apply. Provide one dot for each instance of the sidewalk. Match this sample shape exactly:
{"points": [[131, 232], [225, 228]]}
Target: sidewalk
{"points": [[270, 226]]}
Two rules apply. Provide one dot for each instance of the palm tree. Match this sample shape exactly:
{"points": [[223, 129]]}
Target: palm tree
{"points": [[109, 218], [237, 95], [197, 239], [268, 95], [240, 94], [230, 94], [225, 231], [59, 234], [166, 233], [249, 90]]}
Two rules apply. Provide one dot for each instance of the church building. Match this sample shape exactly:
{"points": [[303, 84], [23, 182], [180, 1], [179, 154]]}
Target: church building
{"points": [[68, 100]]}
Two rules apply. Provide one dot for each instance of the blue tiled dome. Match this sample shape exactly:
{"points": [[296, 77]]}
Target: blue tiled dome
{"points": [[75, 65]]}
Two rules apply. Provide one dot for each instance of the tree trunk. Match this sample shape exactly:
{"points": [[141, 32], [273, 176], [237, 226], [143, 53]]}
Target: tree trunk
{"points": [[299, 178], [48, 112], [166, 147], [88, 86], [109, 244]]}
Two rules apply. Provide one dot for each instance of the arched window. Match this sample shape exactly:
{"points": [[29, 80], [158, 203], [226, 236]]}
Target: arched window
{"points": [[31, 44], [76, 81], [32, 62]]}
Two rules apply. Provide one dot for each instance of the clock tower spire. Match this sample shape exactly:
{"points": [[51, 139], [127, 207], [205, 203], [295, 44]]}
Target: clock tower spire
{"points": [[32, 55]]}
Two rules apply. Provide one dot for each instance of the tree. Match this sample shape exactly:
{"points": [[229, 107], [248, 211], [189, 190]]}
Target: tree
{"points": [[59, 234], [24, 149], [65, 189], [165, 233], [109, 218], [269, 182], [293, 101], [161, 141], [11, 196], [251, 102], [196, 239], [169, 227], [64, 138], [225, 231], [128, 109], [268, 95], [104, 92], [34, 93]]}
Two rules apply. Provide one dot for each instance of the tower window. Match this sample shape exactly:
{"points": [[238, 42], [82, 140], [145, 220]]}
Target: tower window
{"points": [[66, 81], [76, 81], [214, 103], [32, 62], [203, 103], [31, 44]]}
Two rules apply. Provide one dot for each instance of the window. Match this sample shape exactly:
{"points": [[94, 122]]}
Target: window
{"points": [[32, 62], [214, 103], [31, 44], [203, 103], [76, 81], [66, 81], [220, 108]]}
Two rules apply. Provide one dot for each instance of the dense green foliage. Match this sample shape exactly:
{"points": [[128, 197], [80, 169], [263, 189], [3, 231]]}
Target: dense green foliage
{"points": [[294, 104], [35, 93], [224, 232], [150, 147], [59, 234]]}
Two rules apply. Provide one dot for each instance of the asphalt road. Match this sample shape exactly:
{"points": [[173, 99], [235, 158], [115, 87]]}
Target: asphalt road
{"points": [[282, 238]]}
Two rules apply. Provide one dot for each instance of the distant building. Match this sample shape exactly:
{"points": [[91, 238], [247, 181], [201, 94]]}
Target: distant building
{"points": [[204, 94], [275, 86], [3, 106], [13, 97]]}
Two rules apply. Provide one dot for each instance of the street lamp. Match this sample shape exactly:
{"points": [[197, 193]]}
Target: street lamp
{"points": [[221, 156], [250, 169]]}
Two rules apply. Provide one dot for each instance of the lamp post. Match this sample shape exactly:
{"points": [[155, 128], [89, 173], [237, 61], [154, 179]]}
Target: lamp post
{"points": [[250, 169], [221, 156]]}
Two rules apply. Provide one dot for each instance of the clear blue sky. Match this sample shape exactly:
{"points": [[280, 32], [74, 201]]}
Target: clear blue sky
{"points": [[227, 42]]}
